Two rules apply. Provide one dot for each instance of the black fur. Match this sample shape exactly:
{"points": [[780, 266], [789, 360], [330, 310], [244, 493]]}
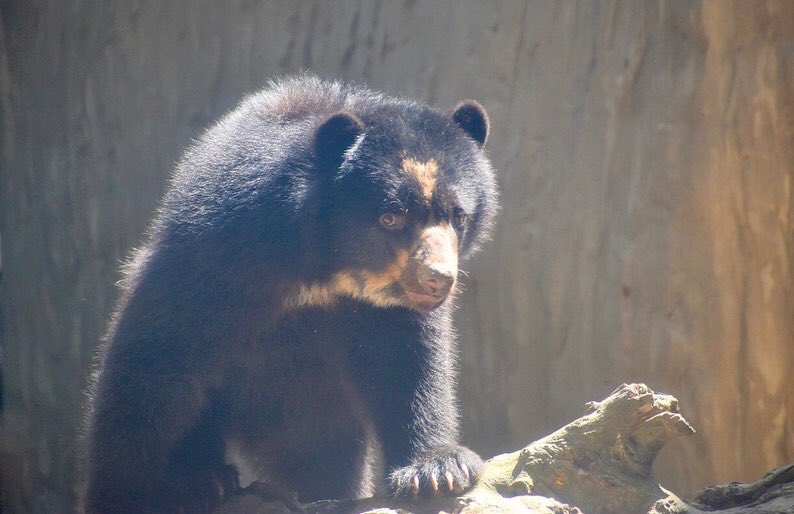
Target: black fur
{"points": [[334, 137], [472, 118], [204, 355]]}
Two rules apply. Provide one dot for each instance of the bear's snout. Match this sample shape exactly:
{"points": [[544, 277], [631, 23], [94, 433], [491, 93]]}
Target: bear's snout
{"points": [[432, 268]]}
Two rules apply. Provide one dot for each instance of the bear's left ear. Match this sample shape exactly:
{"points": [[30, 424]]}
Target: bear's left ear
{"points": [[334, 137], [472, 118]]}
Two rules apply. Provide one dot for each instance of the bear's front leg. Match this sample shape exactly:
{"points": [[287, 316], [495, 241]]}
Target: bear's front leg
{"points": [[403, 363], [417, 413]]}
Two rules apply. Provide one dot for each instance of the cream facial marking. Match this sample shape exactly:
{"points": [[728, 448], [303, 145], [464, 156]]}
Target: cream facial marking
{"points": [[369, 286], [320, 294], [425, 173], [425, 275]]}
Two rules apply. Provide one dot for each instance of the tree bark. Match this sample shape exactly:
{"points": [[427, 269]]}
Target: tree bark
{"points": [[600, 463]]}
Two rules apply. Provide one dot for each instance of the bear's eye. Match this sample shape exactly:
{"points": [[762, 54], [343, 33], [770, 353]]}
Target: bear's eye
{"points": [[393, 220], [459, 218]]}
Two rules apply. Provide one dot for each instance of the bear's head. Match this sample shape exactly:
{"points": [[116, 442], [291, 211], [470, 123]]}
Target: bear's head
{"points": [[409, 194]]}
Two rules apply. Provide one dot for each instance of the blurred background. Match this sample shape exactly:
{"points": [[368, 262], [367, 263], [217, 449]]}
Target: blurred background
{"points": [[645, 153]]}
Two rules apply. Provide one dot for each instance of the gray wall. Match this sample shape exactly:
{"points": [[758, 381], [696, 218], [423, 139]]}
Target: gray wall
{"points": [[644, 152]]}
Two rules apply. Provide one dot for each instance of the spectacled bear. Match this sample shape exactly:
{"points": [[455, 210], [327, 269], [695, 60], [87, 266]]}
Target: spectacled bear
{"points": [[292, 307]]}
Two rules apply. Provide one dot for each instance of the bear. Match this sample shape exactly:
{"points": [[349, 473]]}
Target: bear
{"points": [[289, 313]]}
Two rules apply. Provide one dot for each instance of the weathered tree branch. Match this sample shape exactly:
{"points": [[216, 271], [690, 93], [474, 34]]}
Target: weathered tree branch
{"points": [[599, 463]]}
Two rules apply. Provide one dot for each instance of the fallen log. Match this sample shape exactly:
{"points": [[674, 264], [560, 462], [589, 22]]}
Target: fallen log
{"points": [[599, 463]]}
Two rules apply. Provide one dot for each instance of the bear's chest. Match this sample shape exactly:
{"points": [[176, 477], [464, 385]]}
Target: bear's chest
{"points": [[304, 368]]}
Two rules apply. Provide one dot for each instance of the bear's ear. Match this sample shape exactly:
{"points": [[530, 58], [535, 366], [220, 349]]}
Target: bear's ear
{"points": [[334, 137], [472, 118]]}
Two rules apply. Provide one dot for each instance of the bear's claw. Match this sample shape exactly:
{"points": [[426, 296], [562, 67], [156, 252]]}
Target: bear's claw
{"points": [[443, 471]]}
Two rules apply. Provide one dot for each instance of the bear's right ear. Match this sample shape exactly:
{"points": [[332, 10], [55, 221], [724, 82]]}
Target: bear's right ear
{"points": [[334, 137], [472, 118]]}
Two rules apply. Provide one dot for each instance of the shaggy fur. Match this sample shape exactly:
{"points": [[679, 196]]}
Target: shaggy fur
{"points": [[290, 306]]}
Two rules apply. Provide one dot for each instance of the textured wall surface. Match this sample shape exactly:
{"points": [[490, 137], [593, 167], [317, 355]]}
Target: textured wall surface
{"points": [[646, 158]]}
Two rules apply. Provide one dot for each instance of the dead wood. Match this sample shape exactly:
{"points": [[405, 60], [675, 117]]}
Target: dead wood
{"points": [[599, 463]]}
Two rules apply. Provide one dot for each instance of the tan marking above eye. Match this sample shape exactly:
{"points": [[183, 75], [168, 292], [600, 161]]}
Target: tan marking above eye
{"points": [[425, 173]]}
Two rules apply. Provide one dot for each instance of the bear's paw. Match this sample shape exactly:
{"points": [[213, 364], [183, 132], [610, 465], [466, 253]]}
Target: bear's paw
{"points": [[443, 471]]}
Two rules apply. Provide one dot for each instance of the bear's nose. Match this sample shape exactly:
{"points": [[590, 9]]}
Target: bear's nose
{"points": [[438, 282]]}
